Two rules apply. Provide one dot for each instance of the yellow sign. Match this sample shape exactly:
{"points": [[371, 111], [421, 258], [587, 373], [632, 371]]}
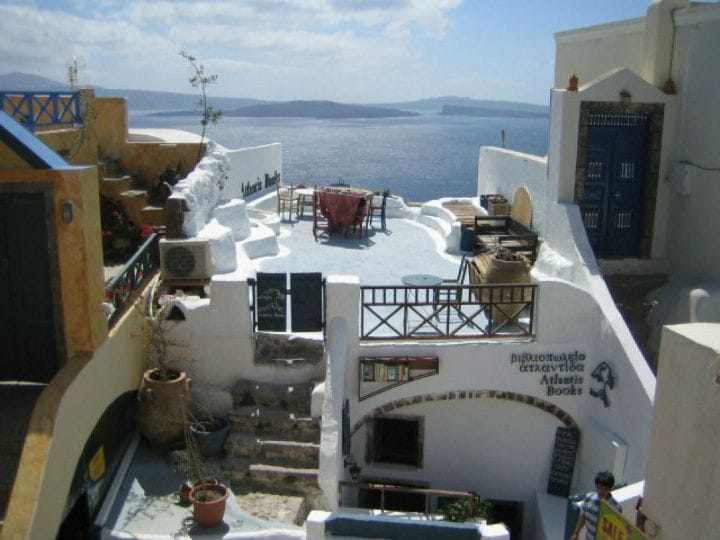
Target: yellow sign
{"points": [[614, 526], [96, 467]]}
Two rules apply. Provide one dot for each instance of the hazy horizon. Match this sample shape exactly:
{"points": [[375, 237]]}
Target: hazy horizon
{"points": [[350, 51]]}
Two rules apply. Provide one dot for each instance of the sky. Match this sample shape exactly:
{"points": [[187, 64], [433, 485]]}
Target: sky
{"points": [[357, 51]]}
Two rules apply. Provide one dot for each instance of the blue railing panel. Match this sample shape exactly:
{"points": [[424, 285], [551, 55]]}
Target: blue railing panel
{"points": [[33, 109]]}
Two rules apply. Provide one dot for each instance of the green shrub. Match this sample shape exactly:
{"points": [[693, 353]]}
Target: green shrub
{"points": [[457, 511]]}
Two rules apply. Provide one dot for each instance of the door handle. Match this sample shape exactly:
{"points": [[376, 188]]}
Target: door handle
{"points": [[617, 196]]}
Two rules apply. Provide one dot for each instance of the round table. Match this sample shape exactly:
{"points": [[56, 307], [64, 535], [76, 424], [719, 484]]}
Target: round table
{"points": [[421, 280]]}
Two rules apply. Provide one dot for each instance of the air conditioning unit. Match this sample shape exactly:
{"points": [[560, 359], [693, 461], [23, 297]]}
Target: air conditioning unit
{"points": [[185, 259]]}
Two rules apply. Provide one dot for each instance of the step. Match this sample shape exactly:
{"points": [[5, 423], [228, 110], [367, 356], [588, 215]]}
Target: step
{"points": [[133, 201], [112, 186], [274, 452], [291, 351], [273, 507], [274, 424], [153, 215], [280, 479], [294, 397], [298, 453]]}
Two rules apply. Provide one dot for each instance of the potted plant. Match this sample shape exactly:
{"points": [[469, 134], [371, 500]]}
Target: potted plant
{"points": [[209, 434], [500, 265], [207, 495], [164, 389]]}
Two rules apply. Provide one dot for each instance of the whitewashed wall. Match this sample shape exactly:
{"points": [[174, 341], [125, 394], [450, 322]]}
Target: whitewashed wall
{"points": [[251, 165], [590, 52], [681, 492], [693, 216], [503, 171]]}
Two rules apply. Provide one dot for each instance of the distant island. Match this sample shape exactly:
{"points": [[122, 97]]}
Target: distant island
{"points": [[459, 110], [304, 109]]}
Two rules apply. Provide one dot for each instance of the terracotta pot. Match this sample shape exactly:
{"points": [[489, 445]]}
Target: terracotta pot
{"points": [[491, 270], [162, 397], [209, 503]]}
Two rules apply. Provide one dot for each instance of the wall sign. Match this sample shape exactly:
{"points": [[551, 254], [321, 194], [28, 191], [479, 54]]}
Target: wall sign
{"points": [[563, 461], [561, 374]]}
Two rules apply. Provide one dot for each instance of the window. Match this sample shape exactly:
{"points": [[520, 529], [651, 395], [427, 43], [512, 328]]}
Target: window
{"points": [[396, 440]]}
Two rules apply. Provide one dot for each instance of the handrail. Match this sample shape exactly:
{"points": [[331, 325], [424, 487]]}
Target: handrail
{"points": [[469, 495], [121, 291], [33, 109], [447, 311]]}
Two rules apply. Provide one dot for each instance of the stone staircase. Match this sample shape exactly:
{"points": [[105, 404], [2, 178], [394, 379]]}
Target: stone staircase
{"points": [[273, 449], [118, 186]]}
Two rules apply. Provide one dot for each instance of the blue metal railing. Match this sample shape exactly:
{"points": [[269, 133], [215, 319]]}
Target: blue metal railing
{"points": [[33, 109], [138, 271]]}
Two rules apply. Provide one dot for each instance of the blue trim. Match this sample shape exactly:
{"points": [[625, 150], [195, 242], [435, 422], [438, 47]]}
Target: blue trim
{"points": [[32, 109], [365, 526]]}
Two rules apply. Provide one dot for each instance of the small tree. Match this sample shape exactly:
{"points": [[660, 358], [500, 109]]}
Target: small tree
{"points": [[200, 80]]}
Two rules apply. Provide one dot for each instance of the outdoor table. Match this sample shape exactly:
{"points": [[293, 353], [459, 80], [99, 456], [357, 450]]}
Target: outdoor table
{"points": [[344, 206], [421, 280]]}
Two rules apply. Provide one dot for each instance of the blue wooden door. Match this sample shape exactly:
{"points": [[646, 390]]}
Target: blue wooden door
{"points": [[27, 323], [613, 194]]}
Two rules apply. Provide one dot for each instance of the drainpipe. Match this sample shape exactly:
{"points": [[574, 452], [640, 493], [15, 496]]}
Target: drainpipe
{"points": [[658, 40]]}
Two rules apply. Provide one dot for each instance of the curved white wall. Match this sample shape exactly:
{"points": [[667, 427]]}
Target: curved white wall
{"points": [[503, 171], [251, 165]]}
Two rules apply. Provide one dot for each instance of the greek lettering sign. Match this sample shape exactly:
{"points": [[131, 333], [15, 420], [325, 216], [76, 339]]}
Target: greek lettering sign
{"points": [[614, 526], [563, 461], [560, 373]]}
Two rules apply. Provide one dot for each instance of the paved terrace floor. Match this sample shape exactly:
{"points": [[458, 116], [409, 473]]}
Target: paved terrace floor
{"points": [[381, 258]]}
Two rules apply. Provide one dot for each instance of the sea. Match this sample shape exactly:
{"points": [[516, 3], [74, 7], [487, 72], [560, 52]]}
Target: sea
{"points": [[419, 158]]}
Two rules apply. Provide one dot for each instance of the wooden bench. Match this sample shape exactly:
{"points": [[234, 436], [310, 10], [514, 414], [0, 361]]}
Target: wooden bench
{"points": [[505, 231]]}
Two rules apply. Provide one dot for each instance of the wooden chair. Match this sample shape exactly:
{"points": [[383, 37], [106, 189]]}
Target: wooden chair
{"points": [[450, 292], [286, 200], [379, 209], [320, 222], [303, 202]]}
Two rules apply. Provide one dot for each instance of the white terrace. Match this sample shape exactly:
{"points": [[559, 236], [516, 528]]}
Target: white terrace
{"points": [[499, 398]]}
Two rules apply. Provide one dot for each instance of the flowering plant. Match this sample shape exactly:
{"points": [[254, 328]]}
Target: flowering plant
{"points": [[116, 224]]}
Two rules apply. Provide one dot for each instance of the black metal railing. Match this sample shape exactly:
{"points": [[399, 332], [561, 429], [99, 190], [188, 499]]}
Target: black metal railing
{"points": [[138, 271], [32, 109], [447, 311]]}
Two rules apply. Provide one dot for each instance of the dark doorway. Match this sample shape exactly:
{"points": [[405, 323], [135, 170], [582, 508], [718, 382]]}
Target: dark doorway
{"points": [[27, 322], [511, 514], [614, 183]]}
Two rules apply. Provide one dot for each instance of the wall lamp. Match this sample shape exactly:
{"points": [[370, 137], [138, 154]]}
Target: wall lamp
{"points": [[67, 212], [354, 468]]}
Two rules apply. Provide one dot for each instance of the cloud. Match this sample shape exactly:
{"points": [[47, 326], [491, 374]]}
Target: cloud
{"points": [[327, 44]]}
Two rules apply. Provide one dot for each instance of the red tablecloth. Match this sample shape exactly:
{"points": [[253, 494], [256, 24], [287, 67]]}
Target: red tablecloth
{"points": [[344, 207]]}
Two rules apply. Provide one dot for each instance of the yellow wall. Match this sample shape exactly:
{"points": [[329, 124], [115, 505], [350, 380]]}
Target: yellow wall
{"points": [[111, 126], [64, 417], [148, 159], [79, 246]]}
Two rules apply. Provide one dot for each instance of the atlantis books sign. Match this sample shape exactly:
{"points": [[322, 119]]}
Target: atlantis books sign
{"points": [[561, 374]]}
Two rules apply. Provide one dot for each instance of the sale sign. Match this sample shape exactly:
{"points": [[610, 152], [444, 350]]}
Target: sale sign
{"points": [[613, 526]]}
